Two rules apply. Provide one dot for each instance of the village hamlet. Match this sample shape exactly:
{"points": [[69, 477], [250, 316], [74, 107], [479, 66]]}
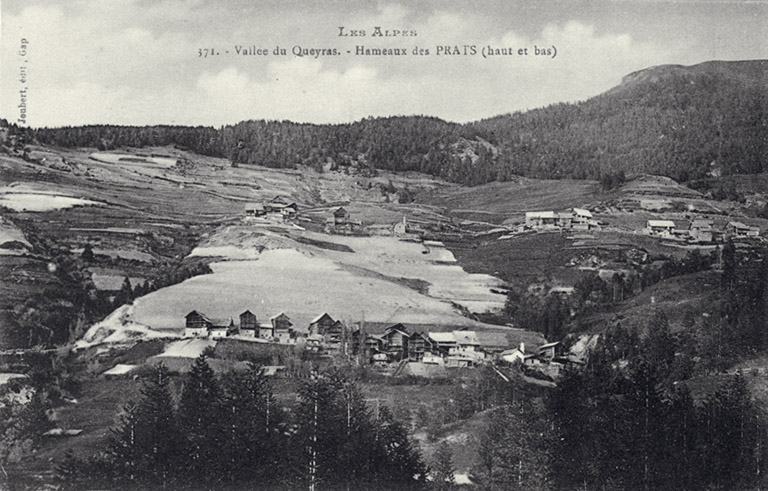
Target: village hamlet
{"points": [[383, 246]]}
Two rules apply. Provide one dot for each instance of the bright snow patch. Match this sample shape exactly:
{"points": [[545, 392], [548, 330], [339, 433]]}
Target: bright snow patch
{"points": [[118, 328], [42, 202], [119, 369]]}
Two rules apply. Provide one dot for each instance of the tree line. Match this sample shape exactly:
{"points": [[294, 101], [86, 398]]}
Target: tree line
{"points": [[685, 127], [231, 433]]}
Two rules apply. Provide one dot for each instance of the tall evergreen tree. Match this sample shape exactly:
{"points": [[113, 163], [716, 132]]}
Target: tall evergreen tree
{"points": [[200, 415]]}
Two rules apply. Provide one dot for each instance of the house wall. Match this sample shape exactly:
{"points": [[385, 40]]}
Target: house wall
{"points": [[196, 322], [191, 332], [248, 321], [217, 333]]}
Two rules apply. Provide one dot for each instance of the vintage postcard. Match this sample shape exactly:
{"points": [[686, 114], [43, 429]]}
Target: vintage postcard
{"points": [[383, 245]]}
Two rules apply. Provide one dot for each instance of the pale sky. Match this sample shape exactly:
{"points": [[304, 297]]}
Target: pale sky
{"points": [[136, 61]]}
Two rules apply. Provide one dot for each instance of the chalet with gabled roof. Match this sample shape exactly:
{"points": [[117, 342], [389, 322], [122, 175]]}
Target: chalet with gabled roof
{"points": [[661, 228], [442, 342], [249, 326], [200, 325], [396, 341], [541, 219], [337, 334], [320, 324], [221, 328], [581, 219], [197, 325], [419, 345], [515, 355], [283, 328]]}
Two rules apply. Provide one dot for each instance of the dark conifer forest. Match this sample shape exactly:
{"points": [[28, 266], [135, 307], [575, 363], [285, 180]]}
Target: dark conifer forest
{"points": [[681, 122]]}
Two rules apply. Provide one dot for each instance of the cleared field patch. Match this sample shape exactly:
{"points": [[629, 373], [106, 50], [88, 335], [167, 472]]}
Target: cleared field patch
{"points": [[431, 270], [112, 281], [187, 348], [35, 202], [123, 158], [499, 201], [12, 240], [301, 286]]}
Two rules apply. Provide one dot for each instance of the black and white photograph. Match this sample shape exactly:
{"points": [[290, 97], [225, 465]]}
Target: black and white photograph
{"points": [[378, 245]]}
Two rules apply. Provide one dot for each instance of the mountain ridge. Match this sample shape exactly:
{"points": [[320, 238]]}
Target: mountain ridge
{"points": [[673, 120]]}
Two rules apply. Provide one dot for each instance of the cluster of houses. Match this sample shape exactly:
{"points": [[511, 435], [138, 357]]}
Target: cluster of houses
{"points": [[277, 207], [549, 358], [572, 219], [324, 334], [700, 230]]}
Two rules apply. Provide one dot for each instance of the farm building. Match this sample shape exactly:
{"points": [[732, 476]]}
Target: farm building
{"points": [[266, 331], [550, 351], [574, 218], [276, 204], [466, 342], [541, 219], [581, 219], [339, 217], [740, 230], [334, 336], [442, 342], [248, 324], [314, 343], [515, 355], [255, 210], [661, 228], [373, 343], [283, 328], [701, 230], [419, 346], [222, 328], [320, 324], [401, 228], [200, 325], [396, 341], [289, 211]]}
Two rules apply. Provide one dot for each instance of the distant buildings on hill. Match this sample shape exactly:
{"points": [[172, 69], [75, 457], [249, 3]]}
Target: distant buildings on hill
{"points": [[277, 207], [700, 230], [573, 219]]}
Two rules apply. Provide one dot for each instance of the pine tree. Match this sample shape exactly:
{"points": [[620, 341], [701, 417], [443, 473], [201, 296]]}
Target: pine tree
{"points": [[200, 413], [443, 469], [145, 446], [125, 295], [252, 423]]}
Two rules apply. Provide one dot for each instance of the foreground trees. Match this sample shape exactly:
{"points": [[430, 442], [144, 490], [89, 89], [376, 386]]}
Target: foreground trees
{"points": [[229, 433]]}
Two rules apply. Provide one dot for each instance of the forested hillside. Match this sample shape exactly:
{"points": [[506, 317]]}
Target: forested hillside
{"points": [[682, 122]]}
